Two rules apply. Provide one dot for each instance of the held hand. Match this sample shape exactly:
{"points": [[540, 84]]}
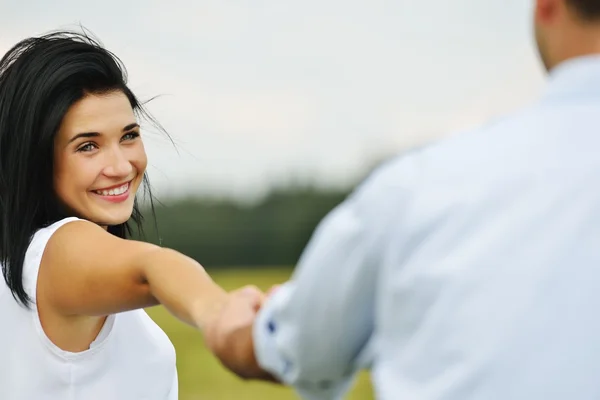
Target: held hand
{"points": [[273, 289], [229, 336]]}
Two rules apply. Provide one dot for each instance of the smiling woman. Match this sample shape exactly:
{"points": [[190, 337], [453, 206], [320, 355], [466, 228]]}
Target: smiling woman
{"points": [[71, 162], [99, 158]]}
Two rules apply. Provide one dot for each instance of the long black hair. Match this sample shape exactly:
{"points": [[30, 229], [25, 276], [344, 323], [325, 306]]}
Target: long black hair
{"points": [[40, 79]]}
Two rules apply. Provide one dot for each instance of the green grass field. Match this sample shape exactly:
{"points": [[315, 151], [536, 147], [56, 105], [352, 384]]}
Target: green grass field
{"points": [[201, 376]]}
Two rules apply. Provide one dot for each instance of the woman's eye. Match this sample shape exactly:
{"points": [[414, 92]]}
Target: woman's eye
{"points": [[130, 136], [86, 147]]}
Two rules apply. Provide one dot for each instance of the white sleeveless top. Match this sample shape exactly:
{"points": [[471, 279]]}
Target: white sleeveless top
{"points": [[132, 358]]}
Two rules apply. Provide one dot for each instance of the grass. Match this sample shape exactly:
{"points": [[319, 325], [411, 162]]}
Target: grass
{"points": [[201, 376]]}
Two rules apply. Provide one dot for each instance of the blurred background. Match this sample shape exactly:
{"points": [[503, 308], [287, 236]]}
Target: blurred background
{"points": [[277, 109]]}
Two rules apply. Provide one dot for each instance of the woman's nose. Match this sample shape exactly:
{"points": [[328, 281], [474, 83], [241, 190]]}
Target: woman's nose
{"points": [[118, 166]]}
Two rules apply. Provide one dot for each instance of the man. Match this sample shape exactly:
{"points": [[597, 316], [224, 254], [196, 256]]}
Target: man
{"points": [[469, 269]]}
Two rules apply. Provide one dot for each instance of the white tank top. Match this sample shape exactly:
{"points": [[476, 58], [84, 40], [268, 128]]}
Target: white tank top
{"points": [[132, 358]]}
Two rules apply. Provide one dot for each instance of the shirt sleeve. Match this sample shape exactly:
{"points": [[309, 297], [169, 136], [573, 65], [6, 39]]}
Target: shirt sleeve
{"points": [[313, 332]]}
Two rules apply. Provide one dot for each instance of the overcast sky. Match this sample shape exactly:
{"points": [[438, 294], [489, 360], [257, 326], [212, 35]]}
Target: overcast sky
{"points": [[256, 92]]}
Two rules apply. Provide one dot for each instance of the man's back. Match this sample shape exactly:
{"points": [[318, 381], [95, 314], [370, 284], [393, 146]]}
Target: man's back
{"points": [[466, 270], [489, 283]]}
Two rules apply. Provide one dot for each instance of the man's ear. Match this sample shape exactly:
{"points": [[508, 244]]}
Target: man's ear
{"points": [[547, 10]]}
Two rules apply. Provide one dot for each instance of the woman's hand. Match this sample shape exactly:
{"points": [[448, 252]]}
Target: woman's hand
{"points": [[230, 334]]}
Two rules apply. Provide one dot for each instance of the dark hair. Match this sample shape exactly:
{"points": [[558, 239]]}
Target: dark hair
{"points": [[40, 79], [587, 9]]}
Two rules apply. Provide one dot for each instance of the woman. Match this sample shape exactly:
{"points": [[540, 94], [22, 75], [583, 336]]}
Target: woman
{"points": [[71, 162]]}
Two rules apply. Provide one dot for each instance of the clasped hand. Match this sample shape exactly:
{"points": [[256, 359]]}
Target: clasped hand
{"points": [[229, 335]]}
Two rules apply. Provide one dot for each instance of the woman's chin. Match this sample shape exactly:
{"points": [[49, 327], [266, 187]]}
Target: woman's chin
{"points": [[111, 217]]}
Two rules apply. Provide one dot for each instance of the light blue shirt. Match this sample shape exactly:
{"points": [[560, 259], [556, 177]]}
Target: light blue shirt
{"points": [[468, 269]]}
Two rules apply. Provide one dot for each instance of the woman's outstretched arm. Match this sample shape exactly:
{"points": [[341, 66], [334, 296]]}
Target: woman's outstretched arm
{"points": [[88, 272]]}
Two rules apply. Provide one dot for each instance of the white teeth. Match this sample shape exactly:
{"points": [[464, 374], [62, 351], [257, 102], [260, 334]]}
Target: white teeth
{"points": [[114, 192], [122, 189]]}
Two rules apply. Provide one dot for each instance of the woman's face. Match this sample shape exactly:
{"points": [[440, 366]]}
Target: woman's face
{"points": [[99, 159]]}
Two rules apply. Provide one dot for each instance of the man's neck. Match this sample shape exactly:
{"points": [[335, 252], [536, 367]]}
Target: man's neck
{"points": [[581, 43]]}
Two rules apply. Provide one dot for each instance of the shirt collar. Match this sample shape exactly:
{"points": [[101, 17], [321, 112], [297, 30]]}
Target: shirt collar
{"points": [[574, 77]]}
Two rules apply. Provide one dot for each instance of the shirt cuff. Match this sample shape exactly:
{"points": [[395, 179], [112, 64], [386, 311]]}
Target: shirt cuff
{"points": [[269, 358], [265, 347]]}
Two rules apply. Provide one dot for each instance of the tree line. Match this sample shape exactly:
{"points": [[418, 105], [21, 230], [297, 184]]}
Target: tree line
{"points": [[225, 233]]}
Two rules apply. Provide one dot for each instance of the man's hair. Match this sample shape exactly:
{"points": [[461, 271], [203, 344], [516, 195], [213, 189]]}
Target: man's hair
{"points": [[587, 9]]}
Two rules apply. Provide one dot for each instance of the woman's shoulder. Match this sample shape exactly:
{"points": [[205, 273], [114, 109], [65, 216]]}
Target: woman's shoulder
{"points": [[42, 236], [54, 226], [35, 251]]}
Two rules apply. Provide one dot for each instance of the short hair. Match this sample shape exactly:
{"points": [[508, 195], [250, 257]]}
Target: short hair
{"points": [[40, 79], [588, 10]]}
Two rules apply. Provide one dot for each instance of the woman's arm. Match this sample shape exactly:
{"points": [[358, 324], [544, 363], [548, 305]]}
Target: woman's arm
{"points": [[88, 272]]}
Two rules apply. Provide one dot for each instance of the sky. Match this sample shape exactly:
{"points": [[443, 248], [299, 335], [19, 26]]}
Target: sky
{"points": [[261, 93]]}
